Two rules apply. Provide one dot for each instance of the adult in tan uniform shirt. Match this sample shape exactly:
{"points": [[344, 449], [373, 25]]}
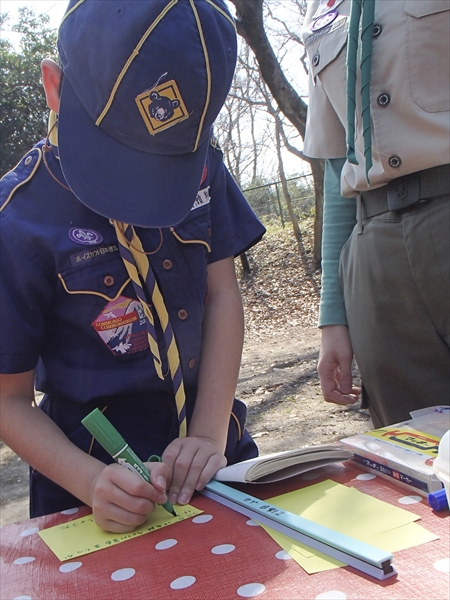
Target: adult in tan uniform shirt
{"points": [[386, 250]]}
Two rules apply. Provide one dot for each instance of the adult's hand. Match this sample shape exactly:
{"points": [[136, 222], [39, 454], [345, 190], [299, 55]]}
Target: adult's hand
{"points": [[335, 366]]}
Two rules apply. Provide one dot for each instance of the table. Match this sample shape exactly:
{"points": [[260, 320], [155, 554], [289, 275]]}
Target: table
{"points": [[221, 555]]}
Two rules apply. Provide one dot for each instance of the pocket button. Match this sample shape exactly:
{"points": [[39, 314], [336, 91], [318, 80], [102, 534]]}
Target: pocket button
{"points": [[108, 280]]}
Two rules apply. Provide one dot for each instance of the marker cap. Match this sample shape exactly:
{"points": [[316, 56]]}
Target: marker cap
{"points": [[105, 433], [438, 500]]}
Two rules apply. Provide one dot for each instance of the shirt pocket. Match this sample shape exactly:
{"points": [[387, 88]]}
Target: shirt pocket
{"points": [[103, 278], [325, 46], [428, 51], [195, 229], [99, 304], [192, 241]]}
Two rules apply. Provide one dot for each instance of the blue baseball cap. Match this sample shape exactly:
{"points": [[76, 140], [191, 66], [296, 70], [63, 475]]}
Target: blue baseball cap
{"points": [[143, 82]]}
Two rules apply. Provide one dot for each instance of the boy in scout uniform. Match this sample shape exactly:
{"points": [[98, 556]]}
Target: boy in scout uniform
{"points": [[117, 263], [379, 114]]}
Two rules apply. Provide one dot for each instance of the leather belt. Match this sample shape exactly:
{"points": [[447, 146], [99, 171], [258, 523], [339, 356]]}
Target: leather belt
{"points": [[405, 191]]}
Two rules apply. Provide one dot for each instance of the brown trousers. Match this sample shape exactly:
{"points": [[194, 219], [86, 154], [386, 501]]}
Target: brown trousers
{"points": [[396, 280]]}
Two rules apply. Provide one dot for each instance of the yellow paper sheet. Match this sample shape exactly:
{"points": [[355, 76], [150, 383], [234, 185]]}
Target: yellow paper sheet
{"points": [[83, 536], [352, 513]]}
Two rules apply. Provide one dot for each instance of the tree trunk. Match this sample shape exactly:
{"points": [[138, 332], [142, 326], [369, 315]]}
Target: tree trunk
{"points": [[250, 25]]}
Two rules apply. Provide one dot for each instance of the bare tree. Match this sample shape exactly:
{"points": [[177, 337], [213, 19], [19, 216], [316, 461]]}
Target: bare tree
{"points": [[242, 135], [251, 26]]}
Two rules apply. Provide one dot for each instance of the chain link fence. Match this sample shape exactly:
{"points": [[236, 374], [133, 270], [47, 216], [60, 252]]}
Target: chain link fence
{"points": [[268, 202]]}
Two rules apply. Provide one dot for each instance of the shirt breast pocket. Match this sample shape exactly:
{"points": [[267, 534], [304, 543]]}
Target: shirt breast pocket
{"points": [[428, 48], [100, 305], [193, 238], [325, 46]]}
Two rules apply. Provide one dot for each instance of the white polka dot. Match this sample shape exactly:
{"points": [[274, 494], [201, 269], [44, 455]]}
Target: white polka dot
{"points": [[23, 598], [410, 499], [282, 555], [223, 549], [23, 560], [182, 582], [123, 574], [202, 519], [310, 475], [331, 595], [249, 590], [366, 476], [252, 523], [70, 511], [30, 531], [442, 565], [69, 567], [164, 544]]}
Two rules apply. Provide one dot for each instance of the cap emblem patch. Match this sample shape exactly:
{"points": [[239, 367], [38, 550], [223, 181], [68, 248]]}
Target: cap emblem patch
{"points": [[162, 107]]}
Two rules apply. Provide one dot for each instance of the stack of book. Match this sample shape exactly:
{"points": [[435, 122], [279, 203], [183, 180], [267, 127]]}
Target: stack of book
{"points": [[404, 452]]}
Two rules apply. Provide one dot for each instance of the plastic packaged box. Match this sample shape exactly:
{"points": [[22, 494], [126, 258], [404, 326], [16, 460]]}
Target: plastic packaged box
{"points": [[404, 453]]}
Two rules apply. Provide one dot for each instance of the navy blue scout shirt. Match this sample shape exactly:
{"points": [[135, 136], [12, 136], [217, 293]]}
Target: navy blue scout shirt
{"points": [[69, 308]]}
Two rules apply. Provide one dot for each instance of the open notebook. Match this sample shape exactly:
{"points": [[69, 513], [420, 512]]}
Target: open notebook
{"points": [[281, 465]]}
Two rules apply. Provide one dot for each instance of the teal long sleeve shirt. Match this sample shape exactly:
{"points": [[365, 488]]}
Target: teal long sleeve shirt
{"points": [[339, 219]]}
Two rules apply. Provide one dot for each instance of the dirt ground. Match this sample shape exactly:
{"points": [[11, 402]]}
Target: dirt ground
{"points": [[278, 378]]}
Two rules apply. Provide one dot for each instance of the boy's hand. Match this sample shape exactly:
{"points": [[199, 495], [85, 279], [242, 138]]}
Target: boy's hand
{"points": [[121, 499], [193, 462]]}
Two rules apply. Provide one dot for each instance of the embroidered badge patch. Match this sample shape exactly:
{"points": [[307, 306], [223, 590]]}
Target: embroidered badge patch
{"points": [[325, 20], [85, 237], [162, 107], [122, 326]]}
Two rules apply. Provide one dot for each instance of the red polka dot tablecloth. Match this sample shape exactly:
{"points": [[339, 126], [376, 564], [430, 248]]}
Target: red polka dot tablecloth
{"points": [[220, 554]]}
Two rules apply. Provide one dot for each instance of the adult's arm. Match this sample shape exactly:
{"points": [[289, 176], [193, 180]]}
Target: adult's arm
{"points": [[336, 353]]}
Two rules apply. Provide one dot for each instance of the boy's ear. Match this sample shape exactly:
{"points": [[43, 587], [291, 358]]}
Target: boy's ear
{"points": [[51, 76]]}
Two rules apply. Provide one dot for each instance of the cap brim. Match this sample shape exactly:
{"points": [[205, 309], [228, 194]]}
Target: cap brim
{"points": [[118, 182]]}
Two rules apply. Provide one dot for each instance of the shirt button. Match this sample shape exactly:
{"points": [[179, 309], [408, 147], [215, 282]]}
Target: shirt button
{"points": [[182, 314], [395, 161], [108, 280], [315, 60], [209, 232], [191, 363], [383, 99], [167, 264], [377, 29]]}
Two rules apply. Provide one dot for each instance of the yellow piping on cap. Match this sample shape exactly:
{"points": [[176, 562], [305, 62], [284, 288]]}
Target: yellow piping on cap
{"points": [[222, 12], [131, 58], [208, 73], [77, 5]]}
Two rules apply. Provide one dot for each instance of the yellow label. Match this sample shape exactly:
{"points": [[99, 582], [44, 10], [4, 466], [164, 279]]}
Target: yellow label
{"points": [[409, 439]]}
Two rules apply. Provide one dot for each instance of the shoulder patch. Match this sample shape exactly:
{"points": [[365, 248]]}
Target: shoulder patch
{"points": [[21, 173]]}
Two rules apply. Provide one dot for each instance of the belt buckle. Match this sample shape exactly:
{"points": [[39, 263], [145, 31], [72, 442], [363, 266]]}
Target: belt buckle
{"points": [[403, 192]]}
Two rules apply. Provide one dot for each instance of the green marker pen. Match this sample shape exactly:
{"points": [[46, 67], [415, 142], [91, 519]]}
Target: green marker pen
{"points": [[111, 440]]}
